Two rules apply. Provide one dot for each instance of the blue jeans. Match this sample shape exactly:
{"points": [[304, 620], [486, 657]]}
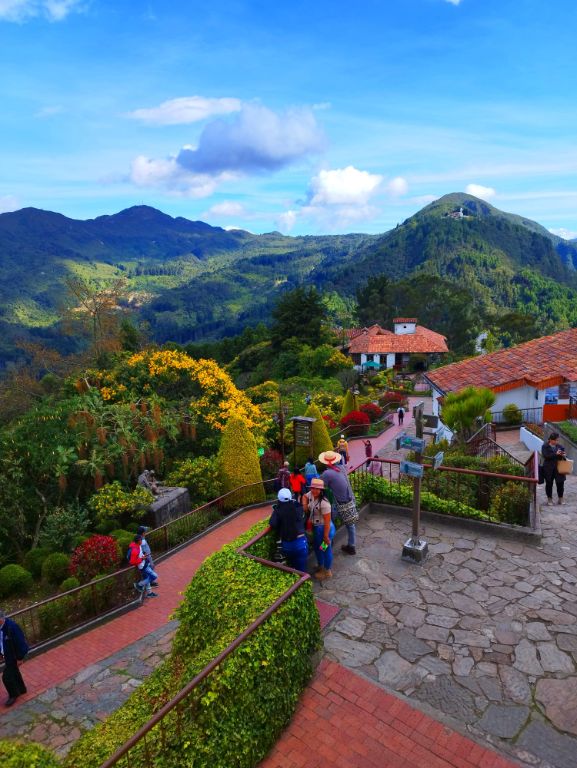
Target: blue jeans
{"points": [[324, 558], [351, 535], [296, 553]]}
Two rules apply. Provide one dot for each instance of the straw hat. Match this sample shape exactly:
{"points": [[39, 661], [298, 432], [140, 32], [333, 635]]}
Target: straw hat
{"points": [[330, 457]]}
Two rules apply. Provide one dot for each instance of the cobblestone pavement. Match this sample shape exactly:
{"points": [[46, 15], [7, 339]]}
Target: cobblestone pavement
{"points": [[483, 635], [61, 714]]}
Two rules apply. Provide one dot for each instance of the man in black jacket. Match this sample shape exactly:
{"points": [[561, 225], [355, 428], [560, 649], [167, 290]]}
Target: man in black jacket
{"points": [[13, 649], [287, 520]]}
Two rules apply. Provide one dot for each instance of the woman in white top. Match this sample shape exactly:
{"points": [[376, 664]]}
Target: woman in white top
{"points": [[319, 510]]}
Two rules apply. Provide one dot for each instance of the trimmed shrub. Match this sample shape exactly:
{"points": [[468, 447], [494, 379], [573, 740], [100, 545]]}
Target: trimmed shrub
{"points": [[200, 475], [55, 568], [236, 714], [33, 560], [512, 414], [112, 502], [56, 616], [238, 464], [321, 438], [17, 755], [62, 525], [98, 554], [14, 580], [511, 504], [349, 404], [70, 583]]}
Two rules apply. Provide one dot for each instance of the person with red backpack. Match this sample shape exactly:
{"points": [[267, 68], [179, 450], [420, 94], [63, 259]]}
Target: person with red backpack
{"points": [[137, 559]]}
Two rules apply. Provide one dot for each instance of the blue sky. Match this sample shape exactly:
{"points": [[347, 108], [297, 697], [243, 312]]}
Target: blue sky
{"points": [[307, 117]]}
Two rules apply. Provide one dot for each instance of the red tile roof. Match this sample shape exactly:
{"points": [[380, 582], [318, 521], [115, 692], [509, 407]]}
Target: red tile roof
{"points": [[404, 319], [539, 363], [423, 341]]}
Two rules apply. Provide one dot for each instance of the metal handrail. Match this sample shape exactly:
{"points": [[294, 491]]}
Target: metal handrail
{"points": [[171, 705], [115, 591]]}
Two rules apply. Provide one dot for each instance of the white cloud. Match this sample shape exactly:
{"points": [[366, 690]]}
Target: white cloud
{"points": [[286, 221], [454, 2], [8, 203], [566, 234], [21, 10], [478, 190], [398, 186], [254, 141], [343, 186], [226, 208], [187, 109]]}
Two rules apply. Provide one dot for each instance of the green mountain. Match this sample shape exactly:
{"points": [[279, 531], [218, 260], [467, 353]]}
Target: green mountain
{"points": [[190, 281]]}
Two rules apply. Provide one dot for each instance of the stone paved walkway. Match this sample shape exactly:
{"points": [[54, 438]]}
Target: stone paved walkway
{"points": [[483, 635]]}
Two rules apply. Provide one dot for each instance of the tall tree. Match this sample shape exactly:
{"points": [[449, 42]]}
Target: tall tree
{"points": [[299, 314]]}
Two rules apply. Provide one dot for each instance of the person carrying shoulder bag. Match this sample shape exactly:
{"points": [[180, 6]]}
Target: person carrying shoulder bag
{"points": [[553, 453], [335, 478]]}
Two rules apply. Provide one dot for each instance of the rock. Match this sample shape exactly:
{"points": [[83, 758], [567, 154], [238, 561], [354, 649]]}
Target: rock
{"points": [[411, 617], [551, 746], [437, 634], [445, 694], [467, 605], [567, 643], [554, 660], [410, 647], [462, 637], [515, 685], [504, 721], [462, 666], [397, 673], [350, 652], [559, 697], [526, 659], [351, 627], [537, 631]]}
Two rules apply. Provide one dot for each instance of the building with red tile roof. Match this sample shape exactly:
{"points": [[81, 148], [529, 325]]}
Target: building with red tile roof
{"points": [[376, 347], [519, 374]]}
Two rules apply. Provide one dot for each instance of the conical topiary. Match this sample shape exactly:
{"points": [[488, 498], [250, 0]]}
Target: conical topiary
{"points": [[239, 465], [348, 404], [321, 438]]}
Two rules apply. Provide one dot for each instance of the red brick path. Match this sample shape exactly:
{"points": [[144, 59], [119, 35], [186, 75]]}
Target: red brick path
{"points": [[345, 721]]}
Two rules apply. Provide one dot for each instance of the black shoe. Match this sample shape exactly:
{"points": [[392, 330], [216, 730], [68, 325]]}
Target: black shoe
{"points": [[151, 594], [153, 583], [11, 701], [348, 550]]}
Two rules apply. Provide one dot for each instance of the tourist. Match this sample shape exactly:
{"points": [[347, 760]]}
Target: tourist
{"points": [[13, 649], [297, 483], [553, 452], [145, 575], [318, 509], [335, 478], [283, 477], [145, 546], [401, 414], [342, 447], [368, 452], [287, 520], [310, 470]]}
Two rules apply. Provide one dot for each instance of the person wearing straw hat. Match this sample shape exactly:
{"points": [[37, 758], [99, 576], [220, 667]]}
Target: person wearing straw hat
{"points": [[335, 478], [318, 508]]}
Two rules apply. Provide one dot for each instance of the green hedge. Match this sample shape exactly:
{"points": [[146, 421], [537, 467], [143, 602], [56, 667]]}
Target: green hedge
{"points": [[15, 755], [238, 712], [379, 490]]}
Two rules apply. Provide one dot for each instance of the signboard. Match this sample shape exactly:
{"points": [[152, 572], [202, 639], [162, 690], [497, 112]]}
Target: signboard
{"points": [[440, 434], [413, 443], [430, 421], [411, 468], [303, 435], [438, 459]]}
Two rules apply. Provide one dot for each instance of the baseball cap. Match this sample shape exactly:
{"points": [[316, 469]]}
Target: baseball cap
{"points": [[284, 495]]}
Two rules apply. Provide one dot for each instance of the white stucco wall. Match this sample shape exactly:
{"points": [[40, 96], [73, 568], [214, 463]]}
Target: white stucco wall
{"points": [[531, 441], [403, 328], [522, 397]]}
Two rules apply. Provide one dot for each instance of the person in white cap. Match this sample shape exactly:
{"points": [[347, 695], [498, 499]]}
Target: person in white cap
{"points": [[287, 520]]}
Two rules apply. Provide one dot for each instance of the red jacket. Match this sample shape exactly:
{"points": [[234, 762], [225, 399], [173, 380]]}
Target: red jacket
{"points": [[297, 482]]}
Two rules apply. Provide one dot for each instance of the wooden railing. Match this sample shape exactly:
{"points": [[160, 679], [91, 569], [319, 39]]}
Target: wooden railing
{"points": [[483, 444]]}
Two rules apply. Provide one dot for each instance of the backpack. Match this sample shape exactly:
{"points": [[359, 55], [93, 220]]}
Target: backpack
{"points": [[128, 553]]}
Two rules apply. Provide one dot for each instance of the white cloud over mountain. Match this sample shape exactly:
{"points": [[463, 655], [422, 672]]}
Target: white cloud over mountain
{"points": [[20, 10], [256, 140], [343, 186], [478, 190], [187, 109]]}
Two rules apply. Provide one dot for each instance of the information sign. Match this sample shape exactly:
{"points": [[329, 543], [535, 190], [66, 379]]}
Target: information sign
{"points": [[438, 459], [430, 421], [411, 468]]}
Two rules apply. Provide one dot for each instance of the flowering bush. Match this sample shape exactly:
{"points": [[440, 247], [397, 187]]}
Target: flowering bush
{"points": [[329, 421], [200, 476], [393, 398], [355, 418], [96, 555], [373, 411], [270, 462], [113, 502]]}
